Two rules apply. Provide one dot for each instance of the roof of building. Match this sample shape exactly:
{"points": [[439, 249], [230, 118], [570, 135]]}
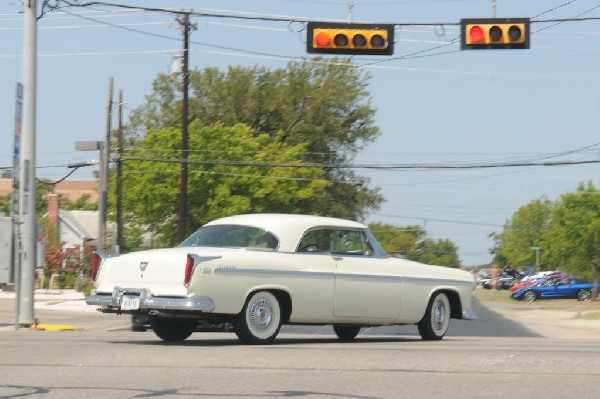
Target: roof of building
{"points": [[70, 189], [83, 223]]}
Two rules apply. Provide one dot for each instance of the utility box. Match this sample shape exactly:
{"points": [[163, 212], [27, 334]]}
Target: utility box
{"points": [[6, 251]]}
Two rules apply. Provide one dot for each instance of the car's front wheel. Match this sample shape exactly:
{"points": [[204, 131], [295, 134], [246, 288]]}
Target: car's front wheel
{"points": [[584, 295], [529, 296], [260, 319], [434, 325], [172, 330], [346, 333]]}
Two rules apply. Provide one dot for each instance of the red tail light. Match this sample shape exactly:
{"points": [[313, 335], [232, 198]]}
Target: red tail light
{"points": [[189, 268], [96, 260]]}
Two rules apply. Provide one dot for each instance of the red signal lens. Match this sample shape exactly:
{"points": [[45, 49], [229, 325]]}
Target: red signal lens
{"points": [[322, 39], [476, 34], [189, 268]]}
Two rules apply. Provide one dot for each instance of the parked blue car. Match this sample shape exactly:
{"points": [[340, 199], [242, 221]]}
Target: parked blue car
{"points": [[555, 289]]}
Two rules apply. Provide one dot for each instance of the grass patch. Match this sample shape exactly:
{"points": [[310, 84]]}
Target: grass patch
{"points": [[493, 295]]}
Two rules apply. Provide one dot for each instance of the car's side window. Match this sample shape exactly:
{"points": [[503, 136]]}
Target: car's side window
{"points": [[335, 241], [349, 242], [316, 241]]}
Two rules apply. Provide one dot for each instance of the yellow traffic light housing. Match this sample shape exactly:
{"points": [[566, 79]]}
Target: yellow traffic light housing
{"points": [[495, 33], [340, 38]]}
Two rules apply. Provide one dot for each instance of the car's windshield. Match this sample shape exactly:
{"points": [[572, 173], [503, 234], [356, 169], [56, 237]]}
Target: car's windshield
{"points": [[232, 236]]}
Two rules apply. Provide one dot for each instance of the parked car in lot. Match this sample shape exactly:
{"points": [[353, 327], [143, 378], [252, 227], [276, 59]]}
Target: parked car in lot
{"points": [[539, 278], [261, 271], [565, 287]]}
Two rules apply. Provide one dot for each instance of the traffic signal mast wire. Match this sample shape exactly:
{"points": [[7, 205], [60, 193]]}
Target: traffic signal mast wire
{"points": [[289, 19]]}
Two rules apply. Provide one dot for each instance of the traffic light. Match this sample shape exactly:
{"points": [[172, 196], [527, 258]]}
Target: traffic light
{"points": [[340, 38], [494, 33]]}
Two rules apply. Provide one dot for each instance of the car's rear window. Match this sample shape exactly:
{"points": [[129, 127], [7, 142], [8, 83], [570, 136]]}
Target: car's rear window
{"points": [[232, 236]]}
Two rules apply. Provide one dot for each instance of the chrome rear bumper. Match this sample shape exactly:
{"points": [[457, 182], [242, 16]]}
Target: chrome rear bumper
{"points": [[149, 302]]}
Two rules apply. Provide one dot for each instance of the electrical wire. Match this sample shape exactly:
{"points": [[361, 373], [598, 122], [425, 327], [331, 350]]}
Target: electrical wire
{"points": [[420, 167]]}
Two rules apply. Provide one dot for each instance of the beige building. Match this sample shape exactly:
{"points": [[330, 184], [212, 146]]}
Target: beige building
{"points": [[70, 189]]}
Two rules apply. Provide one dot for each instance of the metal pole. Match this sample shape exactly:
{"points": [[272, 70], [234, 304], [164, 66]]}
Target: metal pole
{"points": [[119, 191], [350, 8], [102, 198], [182, 208], [25, 315], [104, 159]]}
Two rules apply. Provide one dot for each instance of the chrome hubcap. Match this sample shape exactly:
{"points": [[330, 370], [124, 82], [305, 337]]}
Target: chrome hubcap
{"points": [[261, 314], [439, 316]]}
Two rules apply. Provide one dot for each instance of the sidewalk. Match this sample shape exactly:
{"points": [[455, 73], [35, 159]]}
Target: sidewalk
{"points": [[58, 299], [45, 294]]}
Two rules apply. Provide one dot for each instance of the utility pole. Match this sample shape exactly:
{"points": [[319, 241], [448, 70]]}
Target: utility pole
{"points": [[182, 202], [104, 154], [25, 289], [119, 192]]}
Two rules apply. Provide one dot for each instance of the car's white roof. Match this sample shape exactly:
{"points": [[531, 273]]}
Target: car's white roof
{"points": [[287, 227]]}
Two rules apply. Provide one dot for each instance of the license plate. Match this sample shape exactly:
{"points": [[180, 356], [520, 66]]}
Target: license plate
{"points": [[130, 302]]}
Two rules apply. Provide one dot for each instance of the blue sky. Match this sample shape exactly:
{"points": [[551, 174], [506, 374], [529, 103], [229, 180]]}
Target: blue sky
{"points": [[436, 104]]}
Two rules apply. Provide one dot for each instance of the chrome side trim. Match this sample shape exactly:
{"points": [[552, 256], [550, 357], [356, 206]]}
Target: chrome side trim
{"points": [[150, 302], [232, 270], [434, 280]]}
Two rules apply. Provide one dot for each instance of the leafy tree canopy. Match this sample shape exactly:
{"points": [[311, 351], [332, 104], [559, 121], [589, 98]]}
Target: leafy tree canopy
{"points": [[567, 230], [522, 232], [411, 243], [573, 236], [214, 188], [323, 106]]}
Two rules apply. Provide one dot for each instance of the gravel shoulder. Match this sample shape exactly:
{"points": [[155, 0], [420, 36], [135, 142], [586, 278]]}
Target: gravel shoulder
{"points": [[558, 318]]}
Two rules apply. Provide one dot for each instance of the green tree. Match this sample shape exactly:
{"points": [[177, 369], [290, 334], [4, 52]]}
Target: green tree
{"points": [[398, 241], [524, 230], [151, 176], [324, 106], [573, 237], [411, 243], [5, 204], [437, 252]]}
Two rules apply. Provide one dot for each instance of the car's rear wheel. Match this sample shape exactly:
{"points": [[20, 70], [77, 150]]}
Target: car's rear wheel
{"points": [[260, 319], [434, 325], [346, 333], [584, 295], [172, 330], [529, 296]]}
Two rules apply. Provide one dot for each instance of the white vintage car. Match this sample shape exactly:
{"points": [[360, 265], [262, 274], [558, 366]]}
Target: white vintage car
{"points": [[264, 270]]}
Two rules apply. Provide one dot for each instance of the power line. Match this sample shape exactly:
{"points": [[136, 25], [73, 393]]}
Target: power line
{"points": [[418, 167], [288, 19]]}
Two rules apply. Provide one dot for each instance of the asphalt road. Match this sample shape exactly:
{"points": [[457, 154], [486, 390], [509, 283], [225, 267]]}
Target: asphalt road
{"points": [[491, 357], [488, 324]]}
